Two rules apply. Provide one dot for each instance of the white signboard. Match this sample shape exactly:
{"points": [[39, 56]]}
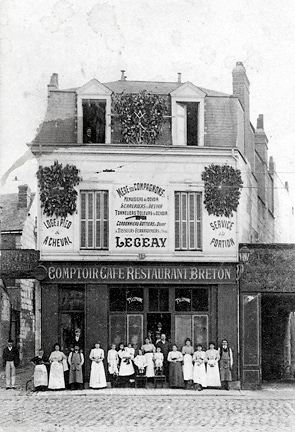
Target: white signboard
{"points": [[222, 234], [141, 218], [57, 234]]}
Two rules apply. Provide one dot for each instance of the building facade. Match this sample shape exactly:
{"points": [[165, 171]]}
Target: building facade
{"points": [[18, 238], [131, 233]]}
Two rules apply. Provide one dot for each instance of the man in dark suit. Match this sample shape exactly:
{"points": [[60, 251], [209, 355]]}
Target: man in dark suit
{"points": [[10, 361], [165, 348]]}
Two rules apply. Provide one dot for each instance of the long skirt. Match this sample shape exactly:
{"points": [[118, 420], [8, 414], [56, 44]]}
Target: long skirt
{"points": [[213, 378], [40, 376], [56, 376], [150, 372], [200, 374], [187, 367], [126, 368], [176, 375], [97, 375]]}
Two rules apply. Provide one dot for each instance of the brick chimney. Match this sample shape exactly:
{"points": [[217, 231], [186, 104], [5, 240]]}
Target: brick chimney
{"points": [[261, 141], [24, 196], [53, 85], [241, 86]]}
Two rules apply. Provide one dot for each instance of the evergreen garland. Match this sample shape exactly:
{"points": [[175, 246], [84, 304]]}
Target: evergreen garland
{"points": [[223, 185], [141, 116], [57, 194]]}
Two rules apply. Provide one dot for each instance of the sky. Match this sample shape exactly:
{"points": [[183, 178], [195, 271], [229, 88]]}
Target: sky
{"points": [[150, 40]]}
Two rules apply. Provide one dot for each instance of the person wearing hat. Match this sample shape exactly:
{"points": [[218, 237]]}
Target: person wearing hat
{"points": [[10, 361]]}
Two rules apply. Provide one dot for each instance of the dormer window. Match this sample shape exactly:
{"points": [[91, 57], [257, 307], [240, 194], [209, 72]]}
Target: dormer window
{"points": [[187, 104], [94, 120], [94, 113]]}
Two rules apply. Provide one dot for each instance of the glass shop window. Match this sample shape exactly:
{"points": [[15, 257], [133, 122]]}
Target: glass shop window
{"points": [[158, 299], [71, 298], [126, 299], [191, 299]]}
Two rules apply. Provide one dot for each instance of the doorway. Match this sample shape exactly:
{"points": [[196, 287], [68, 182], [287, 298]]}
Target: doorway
{"points": [[278, 336], [158, 323]]}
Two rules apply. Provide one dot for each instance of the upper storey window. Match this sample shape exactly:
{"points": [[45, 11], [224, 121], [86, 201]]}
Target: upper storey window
{"points": [[94, 113], [94, 120], [187, 104]]}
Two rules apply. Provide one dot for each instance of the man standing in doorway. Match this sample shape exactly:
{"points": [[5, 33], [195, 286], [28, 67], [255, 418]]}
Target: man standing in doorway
{"points": [[10, 361], [165, 348]]}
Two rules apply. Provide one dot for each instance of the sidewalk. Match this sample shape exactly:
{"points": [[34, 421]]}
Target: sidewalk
{"points": [[273, 390]]}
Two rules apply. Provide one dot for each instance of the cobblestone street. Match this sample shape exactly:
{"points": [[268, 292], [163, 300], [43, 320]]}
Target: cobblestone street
{"points": [[147, 410]]}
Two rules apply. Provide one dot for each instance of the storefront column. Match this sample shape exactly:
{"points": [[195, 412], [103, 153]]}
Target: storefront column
{"points": [[228, 320], [49, 322]]}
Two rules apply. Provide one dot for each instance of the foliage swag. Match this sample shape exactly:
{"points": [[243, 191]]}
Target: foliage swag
{"points": [[57, 194], [223, 185], [141, 116]]}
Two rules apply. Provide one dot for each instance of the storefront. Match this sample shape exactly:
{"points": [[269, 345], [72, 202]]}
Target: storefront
{"points": [[119, 302]]}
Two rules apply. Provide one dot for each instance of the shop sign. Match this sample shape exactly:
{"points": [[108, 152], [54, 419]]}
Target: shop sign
{"points": [[222, 233], [56, 234], [18, 263], [158, 274], [182, 300], [140, 218]]}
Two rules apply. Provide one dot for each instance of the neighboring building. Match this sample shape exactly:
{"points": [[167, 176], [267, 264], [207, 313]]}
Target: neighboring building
{"points": [[141, 247], [18, 232]]}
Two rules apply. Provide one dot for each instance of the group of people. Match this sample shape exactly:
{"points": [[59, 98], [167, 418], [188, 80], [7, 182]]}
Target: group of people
{"points": [[187, 367]]}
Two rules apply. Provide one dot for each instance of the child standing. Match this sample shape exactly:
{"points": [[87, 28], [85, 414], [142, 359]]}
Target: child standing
{"points": [[140, 362], [113, 360], [199, 359], [158, 360], [97, 374], [76, 361]]}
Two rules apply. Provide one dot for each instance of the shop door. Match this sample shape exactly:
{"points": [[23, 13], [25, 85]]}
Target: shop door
{"points": [[250, 341], [194, 327]]}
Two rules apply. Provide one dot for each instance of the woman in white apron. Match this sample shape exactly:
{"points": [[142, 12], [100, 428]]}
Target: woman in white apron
{"points": [[199, 360], [212, 357], [56, 375], [148, 350], [187, 352], [40, 371], [97, 373]]}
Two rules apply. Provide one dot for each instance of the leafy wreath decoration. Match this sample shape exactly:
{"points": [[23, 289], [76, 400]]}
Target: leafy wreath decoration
{"points": [[223, 185], [57, 194], [141, 116]]}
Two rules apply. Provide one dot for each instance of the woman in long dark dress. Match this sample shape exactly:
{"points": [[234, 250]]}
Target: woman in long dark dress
{"points": [[175, 359]]}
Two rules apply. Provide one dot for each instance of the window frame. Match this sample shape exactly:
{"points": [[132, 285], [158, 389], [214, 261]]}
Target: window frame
{"points": [[187, 222], [103, 221]]}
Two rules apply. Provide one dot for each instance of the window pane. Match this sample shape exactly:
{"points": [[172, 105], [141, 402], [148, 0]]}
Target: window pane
{"points": [[118, 299], [94, 114], [183, 221], [94, 223], [183, 299], [192, 123], [153, 299], [71, 298], [164, 299], [177, 221], [134, 299], [200, 299]]}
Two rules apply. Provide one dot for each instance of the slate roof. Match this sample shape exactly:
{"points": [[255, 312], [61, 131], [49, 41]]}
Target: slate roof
{"points": [[13, 218], [154, 87]]}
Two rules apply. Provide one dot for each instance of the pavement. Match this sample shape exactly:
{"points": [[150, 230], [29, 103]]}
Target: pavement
{"points": [[128, 409]]}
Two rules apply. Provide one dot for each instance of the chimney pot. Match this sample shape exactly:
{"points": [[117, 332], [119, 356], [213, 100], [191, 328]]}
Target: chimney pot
{"points": [[260, 122], [179, 77], [53, 85], [122, 75]]}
